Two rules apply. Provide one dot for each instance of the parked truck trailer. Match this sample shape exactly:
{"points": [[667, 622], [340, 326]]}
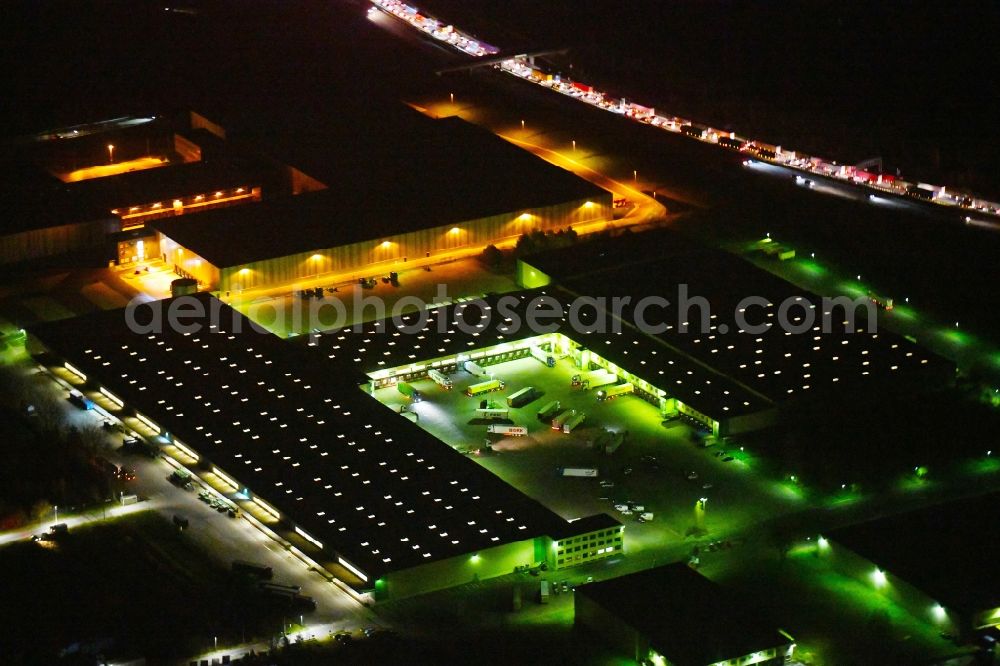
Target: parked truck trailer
{"points": [[523, 397], [507, 430], [558, 421], [492, 413], [612, 392], [543, 356], [440, 379], [547, 412], [473, 369], [485, 387], [573, 422], [408, 391]]}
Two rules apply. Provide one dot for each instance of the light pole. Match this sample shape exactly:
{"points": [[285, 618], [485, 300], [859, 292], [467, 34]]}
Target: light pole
{"points": [[635, 175], [522, 124], [574, 145], [57, 512], [111, 152], [451, 96], [215, 640]]}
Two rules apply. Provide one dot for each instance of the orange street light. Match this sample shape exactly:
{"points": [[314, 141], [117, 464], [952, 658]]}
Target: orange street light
{"points": [[111, 152]]}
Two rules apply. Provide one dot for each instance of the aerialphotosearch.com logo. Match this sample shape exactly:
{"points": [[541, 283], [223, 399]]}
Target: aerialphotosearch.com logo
{"points": [[540, 313]]}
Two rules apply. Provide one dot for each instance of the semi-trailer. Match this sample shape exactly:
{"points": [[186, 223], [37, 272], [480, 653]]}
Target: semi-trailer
{"points": [[558, 421], [543, 356], [507, 430], [523, 397], [612, 392], [583, 472], [485, 387], [258, 570], [408, 391], [441, 379], [473, 369], [547, 412], [573, 422]]}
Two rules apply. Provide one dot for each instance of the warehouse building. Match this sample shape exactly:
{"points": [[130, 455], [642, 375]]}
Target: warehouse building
{"points": [[442, 189], [95, 189], [818, 351], [375, 501], [674, 616], [935, 562], [480, 331]]}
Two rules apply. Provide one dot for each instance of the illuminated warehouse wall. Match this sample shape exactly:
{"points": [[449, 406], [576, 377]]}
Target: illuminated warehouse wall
{"points": [[369, 258]]}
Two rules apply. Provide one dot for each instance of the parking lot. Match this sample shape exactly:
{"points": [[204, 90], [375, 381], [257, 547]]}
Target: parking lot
{"points": [[659, 467]]}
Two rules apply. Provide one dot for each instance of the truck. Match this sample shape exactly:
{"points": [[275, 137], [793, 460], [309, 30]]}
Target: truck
{"points": [[485, 387], [558, 421], [594, 379], [81, 400], [408, 391], [507, 430], [582, 472], [440, 379], [612, 392], [473, 369], [573, 423], [492, 413], [523, 397], [181, 478], [543, 356], [257, 570], [547, 412]]}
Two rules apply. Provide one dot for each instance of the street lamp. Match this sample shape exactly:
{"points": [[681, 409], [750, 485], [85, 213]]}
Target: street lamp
{"points": [[216, 641], [522, 124], [574, 145], [452, 97], [57, 512], [635, 175], [111, 152]]}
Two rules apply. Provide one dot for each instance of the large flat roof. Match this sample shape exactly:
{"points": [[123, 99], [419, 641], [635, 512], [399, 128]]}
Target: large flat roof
{"points": [[779, 364], [296, 429], [444, 171], [687, 618], [944, 550]]}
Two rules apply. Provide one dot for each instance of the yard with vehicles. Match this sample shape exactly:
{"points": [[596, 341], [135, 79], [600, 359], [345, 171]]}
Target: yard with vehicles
{"points": [[655, 463]]}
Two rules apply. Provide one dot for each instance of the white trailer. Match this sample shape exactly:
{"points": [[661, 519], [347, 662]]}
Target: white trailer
{"points": [[594, 379], [507, 430], [440, 379], [473, 369]]}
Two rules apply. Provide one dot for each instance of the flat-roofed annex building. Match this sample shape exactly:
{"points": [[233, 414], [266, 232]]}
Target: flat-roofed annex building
{"points": [[672, 615], [450, 193], [377, 501], [938, 562]]}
